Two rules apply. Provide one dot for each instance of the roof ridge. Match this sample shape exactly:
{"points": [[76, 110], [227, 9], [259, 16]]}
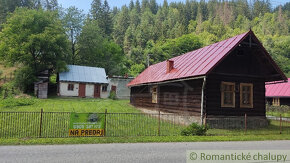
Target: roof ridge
{"points": [[87, 66]]}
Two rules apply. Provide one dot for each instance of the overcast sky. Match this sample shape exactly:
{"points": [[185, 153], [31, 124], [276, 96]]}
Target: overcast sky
{"points": [[86, 4]]}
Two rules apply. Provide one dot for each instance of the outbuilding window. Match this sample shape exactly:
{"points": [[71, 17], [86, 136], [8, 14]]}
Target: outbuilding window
{"points": [[227, 94], [154, 94], [246, 95], [276, 102], [70, 87], [104, 88]]}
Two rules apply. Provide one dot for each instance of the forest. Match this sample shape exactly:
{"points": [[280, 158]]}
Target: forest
{"points": [[37, 35]]}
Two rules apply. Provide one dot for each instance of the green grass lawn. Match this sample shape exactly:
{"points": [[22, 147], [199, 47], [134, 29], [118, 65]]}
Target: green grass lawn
{"points": [[79, 105], [277, 114]]}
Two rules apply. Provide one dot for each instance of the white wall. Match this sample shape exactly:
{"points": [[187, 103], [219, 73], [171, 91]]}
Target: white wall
{"points": [[64, 92], [122, 92], [90, 90], [105, 94]]}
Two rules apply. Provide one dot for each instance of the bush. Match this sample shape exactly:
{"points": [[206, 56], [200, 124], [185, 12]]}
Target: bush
{"points": [[52, 79], [113, 95], [24, 79], [281, 109], [1, 72], [12, 102], [8, 90], [194, 129]]}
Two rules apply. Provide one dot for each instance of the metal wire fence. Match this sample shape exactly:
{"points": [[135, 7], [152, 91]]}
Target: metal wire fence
{"points": [[56, 124]]}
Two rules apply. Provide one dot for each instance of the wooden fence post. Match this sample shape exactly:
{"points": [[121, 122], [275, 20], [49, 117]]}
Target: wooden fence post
{"points": [[40, 127], [105, 123], [280, 123], [159, 123], [245, 122]]}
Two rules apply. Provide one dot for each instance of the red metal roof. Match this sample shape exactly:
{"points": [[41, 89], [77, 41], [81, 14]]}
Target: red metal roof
{"points": [[278, 90], [192, 64]]}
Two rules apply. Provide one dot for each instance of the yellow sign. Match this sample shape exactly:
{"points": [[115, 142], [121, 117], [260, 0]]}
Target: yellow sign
{"points": [[86, 132]]}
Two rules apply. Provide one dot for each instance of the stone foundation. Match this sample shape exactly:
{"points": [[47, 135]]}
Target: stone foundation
{"points": [[183, 119], [237, 122]]}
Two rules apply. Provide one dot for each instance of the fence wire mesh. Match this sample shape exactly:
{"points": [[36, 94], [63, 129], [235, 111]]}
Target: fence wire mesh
{"points": [[56, 125]]}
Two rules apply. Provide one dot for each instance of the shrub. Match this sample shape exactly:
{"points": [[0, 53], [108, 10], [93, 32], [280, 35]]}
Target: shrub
{"points": [[52, 79], [113, 95], [281, 109], [194, 129], [12, 102], [8, 90], [1, 72], [24, 79]]}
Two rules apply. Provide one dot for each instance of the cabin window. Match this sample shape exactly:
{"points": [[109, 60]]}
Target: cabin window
{"points": [[104, 88], [228, 94], [70, 87], [276, 102], [154, 94], [246, 95]]}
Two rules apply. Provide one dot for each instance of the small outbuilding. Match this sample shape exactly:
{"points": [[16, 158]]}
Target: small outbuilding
{"points": [[278, 94], [41, 86], [222, 80], [83, 81], [118, 84]]}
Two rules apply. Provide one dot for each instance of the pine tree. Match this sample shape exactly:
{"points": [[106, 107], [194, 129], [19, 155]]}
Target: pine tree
{"points": [[102, 14], [137, 6], [107, 19], [131, 5]]}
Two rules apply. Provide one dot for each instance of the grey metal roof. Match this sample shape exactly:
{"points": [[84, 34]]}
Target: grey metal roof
{"points": [[84, 74]]}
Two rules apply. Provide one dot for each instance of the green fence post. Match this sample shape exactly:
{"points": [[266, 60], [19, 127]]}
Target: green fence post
{"points": [[40, 127], [105, 123]]}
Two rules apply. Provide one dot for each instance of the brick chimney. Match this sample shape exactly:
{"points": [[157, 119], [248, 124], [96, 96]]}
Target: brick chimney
{"points": [[170, 65]]}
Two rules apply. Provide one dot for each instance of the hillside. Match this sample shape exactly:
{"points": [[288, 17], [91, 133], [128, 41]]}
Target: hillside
{"points": [[6, 73]]}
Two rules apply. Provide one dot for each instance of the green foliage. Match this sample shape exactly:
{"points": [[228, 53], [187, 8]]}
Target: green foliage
{"points": [[8, 90], [194, 129], [135, 31], [137, 26], [174, 47], [96, 50], [278, 109], [24, 79], [36, 39], [136, 69], [52, 79], [113, 95], [73, 22], [15, 102], [1, 72]]}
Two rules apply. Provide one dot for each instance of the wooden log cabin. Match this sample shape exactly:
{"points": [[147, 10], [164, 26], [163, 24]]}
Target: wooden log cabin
{"points": [[278, 94], [225, 79]]}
